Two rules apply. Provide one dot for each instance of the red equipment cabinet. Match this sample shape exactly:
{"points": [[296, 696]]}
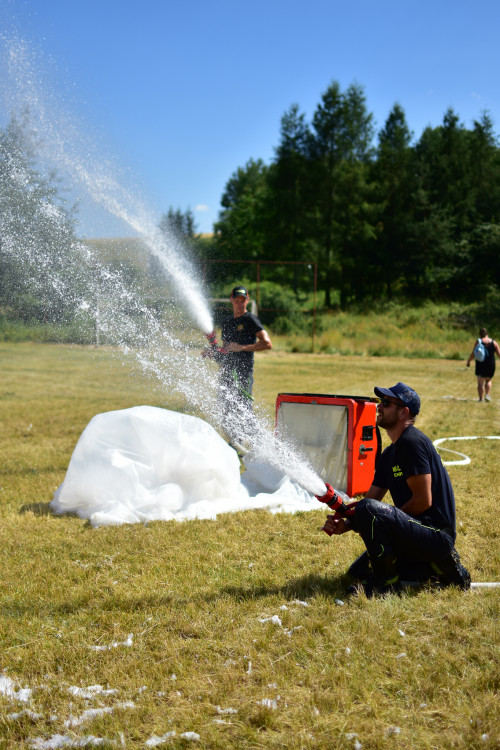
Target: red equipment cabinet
{"points": [[338, 434]]}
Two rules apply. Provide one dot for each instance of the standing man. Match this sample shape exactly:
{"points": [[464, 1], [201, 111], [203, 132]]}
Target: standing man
{"points": [[419, 529], [242, 335]]}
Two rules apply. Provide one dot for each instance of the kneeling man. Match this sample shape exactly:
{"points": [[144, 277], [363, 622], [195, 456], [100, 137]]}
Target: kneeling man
{"points": [[415, 537]]}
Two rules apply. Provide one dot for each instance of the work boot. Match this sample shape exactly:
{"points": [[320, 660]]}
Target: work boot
{"points": [[451, 572], [373, 586], [385, 569], [383, 578], [360, 569]]}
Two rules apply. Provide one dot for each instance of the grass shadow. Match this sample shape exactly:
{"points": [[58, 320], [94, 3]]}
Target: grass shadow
{"points": [[44, 509], [38, 509], [304, 587], [86, 603]]}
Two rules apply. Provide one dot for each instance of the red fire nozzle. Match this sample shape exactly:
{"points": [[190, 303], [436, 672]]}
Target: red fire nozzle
{"points": [[216, 349], [331, 498], [337, 503], [212, 338]]}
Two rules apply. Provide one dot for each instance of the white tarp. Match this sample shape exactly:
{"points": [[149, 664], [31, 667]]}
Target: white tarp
{"points": [[150, 464]]}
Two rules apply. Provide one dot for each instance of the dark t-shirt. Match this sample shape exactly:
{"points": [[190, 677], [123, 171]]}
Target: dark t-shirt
{"points": [[413, 454], [243, 331]]}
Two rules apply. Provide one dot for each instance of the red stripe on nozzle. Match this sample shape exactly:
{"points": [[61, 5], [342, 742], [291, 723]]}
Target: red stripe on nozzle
{"points": [[212, 338]]}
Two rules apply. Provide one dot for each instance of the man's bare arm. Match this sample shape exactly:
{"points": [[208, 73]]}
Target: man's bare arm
{"points": [[263, 342], [376, 493], [421, 499]]}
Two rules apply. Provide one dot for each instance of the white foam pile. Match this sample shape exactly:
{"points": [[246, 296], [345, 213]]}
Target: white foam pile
{"points": [[150, 464]]}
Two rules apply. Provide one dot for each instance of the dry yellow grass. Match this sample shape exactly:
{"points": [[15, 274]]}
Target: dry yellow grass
{"points": [[170, 615]]}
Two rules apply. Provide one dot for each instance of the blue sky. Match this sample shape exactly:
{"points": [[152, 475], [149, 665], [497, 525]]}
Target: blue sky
{"points": [[187, 92]]}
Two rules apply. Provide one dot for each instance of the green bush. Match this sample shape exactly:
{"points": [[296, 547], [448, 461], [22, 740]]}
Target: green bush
{"points": [[296, 323], [278, 302]]}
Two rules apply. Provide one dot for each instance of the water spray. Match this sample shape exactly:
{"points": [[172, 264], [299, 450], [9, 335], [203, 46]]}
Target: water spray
{"points": [[124, 318]]}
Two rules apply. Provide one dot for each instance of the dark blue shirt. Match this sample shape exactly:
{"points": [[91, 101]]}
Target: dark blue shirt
{"points": [[413, 454], [242, 331]]}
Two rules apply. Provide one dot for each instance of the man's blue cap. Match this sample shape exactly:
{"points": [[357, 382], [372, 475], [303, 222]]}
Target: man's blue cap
{"points": [[403, 393]]}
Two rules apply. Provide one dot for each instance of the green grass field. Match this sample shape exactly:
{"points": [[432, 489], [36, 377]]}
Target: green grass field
{"points": [[171, 620]]}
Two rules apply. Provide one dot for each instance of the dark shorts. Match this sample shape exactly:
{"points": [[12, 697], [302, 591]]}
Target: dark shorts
{"points": [[485, 369]]}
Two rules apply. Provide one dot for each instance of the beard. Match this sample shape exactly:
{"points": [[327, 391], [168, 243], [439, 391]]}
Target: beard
{"points": [[386, 421]]}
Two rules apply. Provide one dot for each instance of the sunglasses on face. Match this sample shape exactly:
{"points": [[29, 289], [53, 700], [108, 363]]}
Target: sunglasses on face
{"points": [[385, 402]]}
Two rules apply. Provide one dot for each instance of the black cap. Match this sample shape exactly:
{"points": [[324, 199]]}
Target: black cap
{"points": [[239, 291]]}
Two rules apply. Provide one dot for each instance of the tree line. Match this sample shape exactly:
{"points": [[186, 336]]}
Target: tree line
{"points": [[383, 216], [391, 219]]}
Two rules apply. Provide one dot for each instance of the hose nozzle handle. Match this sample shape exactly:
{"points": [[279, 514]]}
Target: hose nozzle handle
{"points": [[212, 338]]}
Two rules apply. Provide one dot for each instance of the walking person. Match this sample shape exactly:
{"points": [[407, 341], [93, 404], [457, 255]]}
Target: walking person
{"points": [[485, 369]]}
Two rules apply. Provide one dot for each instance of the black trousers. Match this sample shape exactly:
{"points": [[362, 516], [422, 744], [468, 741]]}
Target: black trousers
{"points": [[235, 403], [235, 386], [389, 532]]}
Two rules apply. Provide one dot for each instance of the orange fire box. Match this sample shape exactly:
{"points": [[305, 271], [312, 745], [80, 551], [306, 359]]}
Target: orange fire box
{"points": [[338, 434]]}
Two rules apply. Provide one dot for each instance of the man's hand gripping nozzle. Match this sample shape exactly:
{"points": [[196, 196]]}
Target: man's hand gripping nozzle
{"points": [[214, 349], [337, 504], [212, 338]]}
